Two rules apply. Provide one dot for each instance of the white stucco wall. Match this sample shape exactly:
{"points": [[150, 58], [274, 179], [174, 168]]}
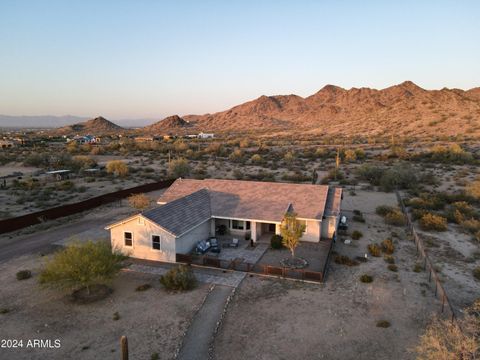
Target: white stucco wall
{"points": [[312, 233], [186, 243], [141, 248]]}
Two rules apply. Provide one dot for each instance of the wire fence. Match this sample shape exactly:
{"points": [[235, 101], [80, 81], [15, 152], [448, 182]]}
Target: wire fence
{"points": [[440, 292]]}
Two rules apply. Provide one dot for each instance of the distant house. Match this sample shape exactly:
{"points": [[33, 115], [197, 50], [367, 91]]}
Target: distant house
{"points": [[205, 136], [6, 144], [85, 139], [194, 210], [144, 138]]}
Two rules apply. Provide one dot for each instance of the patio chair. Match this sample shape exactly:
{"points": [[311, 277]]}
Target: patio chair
{"points": [[234, 243], [214, 246]]}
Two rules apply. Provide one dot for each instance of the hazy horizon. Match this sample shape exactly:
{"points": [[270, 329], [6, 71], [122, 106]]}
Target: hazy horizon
{"points": [[147, 60]]}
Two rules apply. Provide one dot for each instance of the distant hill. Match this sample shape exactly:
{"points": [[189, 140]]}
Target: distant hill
{"points": [[171, 124], [97, 126], [405, 109], [43, 121]]}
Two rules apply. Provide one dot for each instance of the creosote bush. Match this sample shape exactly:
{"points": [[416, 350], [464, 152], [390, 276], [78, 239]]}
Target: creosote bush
{"points": [[180, 277], [389, 259], [24, 274], [383, 323], [356, 235], [392, 267], [366, 278], [345, 260], [476, 273], [432, 222], [374, 250], [387, 246]]}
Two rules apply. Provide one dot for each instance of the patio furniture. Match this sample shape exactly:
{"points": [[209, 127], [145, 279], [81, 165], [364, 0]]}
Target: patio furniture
{"points": [[214, 246], [234, 243], [202, 247]]}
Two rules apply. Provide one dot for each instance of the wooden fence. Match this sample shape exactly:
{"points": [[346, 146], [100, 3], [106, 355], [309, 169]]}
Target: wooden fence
{"points": [[427, 263], [38, 217]]}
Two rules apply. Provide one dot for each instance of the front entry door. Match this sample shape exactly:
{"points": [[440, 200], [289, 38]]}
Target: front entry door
{"points": [[271, 228]]}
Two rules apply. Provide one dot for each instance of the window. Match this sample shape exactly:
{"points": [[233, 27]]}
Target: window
{"points": [[156, 242], [248, 225], [128, 237], [237, 224]]}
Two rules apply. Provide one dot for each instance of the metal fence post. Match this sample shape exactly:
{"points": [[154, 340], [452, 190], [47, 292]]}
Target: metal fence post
{"points": [[124, 345]]}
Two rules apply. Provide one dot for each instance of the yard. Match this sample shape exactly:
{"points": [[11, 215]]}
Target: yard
{"points": [[154, 320], [293, 320]]}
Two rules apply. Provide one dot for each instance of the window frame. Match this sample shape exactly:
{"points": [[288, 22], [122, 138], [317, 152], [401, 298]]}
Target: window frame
{"points": [[159, 242], [125, 238], [238, 222]]}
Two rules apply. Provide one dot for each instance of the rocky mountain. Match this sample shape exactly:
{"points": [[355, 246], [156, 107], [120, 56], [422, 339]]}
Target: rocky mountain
{"points": [[405, 109], [97, 126], [171, 124]]}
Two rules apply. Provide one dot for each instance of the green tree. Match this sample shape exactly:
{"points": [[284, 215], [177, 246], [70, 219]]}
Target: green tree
{"points": [[178, 168], [81, 265], [291, 230]]}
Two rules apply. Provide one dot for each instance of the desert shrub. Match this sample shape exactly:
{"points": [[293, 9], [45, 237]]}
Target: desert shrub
{"points": [[276, 241], [392, 267], [387, 246], [366, 278], [117, 168], [4, 310], [356, 235], [383, 210], [179, 168], [236, 155], [400, 176], [417, 268], [116, 316], [139, 201], [180, 277], [370, 173], [82, 265], [143, 287], [476, 273], [432, 222], [358, 218], [256, 159], [471, 225], [24, 274], [383, 324], [345, 260], [395, 218], [451, 154], [374, 250], [389, 259], [473, 189], [445, 339]]}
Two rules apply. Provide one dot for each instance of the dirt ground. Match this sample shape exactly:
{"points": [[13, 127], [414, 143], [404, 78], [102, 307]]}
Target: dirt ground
{"points": [[275, 319], [154, 320]]}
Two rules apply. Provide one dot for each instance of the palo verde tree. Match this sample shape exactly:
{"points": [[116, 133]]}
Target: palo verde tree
{"points": [[81, 265], [291, 230]]}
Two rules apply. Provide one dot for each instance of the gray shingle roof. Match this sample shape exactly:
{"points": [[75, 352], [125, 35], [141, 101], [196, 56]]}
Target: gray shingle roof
{"points": [[181, 215], [254, 200]]}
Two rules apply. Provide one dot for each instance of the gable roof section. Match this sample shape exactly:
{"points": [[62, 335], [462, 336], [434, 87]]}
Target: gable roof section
{"points": [[183, 214], [254, 200]]}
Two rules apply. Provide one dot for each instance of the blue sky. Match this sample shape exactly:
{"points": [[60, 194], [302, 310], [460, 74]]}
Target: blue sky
{"points": [[150, 59]]}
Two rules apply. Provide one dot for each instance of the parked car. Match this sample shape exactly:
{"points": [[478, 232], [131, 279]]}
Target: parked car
{"points": [[343, 225]]}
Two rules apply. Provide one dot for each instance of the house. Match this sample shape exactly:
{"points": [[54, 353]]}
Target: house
{"points": [[87, 139], [193, 210], [205, 136], [7, 144]]}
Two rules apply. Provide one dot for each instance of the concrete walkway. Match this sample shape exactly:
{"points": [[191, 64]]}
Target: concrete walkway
{"points": [[199, 337]]}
